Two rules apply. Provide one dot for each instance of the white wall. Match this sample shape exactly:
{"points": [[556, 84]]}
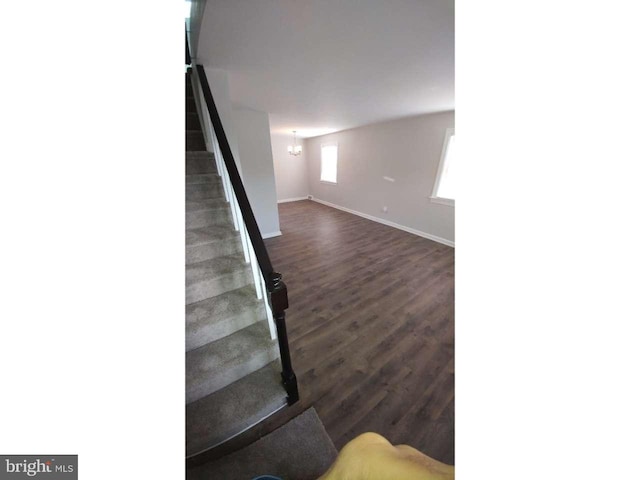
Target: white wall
{"points": [[194, 23], [290, 170], [407, 150], [219, 85], [254, 144]]}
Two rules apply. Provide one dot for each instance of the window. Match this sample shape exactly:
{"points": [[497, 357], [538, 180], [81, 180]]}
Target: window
{"points": [[329, 170], [444, 188]]}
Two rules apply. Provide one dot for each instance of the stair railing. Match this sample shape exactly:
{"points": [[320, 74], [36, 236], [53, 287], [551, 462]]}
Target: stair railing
{"points": [[187, 55], [269, 284]]}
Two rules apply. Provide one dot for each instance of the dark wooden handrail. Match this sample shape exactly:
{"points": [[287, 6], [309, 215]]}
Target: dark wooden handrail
{"points": [[277, 289], [187, 57]]}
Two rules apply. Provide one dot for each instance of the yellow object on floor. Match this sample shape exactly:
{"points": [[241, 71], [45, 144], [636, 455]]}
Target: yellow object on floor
{"points": [[371, 457]]}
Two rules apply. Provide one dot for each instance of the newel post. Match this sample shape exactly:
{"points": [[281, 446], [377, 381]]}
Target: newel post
{"points": [[279, 303]]}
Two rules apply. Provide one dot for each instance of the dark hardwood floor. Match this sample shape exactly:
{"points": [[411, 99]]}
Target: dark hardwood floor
{"points": [[371, 327]]}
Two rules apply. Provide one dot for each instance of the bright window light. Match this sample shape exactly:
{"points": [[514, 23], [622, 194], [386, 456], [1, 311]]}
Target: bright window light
{"points": [[329, 167], [444, 190], [188, 11]]}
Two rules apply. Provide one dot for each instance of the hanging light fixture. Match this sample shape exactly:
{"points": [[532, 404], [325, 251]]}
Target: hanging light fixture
{"points": [[294, 149]]}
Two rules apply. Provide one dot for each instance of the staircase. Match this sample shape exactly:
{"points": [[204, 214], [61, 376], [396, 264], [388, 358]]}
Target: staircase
{"points": [[233, 378]]}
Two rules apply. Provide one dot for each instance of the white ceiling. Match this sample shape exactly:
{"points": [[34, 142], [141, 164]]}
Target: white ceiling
{"points": [[326, 65]]}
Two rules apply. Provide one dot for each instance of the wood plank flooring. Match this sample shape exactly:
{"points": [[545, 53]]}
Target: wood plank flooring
{"points": [[371, 326]]}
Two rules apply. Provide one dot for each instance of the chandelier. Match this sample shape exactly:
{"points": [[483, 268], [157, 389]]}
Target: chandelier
{"points": [[294, 149]]}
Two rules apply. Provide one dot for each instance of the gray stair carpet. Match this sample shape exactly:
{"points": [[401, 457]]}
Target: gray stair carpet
{"points": [[299, 450], [219, 275], [218, 364], [232, 310], [234, 409], [211, 242], [194, 139], [232, 364]]}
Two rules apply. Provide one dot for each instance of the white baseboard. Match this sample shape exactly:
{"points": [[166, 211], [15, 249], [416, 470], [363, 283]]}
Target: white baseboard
{"points": [[297, 199], [272, 234], [419, 233]]}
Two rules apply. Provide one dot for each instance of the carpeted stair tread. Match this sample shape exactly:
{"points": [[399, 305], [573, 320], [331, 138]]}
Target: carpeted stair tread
{"points": [[224, 414], [215, 233], [199, 162], [206, 204], [203, 191], [299, 450], [199, 178], [222, 315], [194, 135], [200, 165], [195, 147], [191, 155], [219, 275], [208, 217], [194, 140], [192, 121], [197, 156], [220, 363], [211, 242]]}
